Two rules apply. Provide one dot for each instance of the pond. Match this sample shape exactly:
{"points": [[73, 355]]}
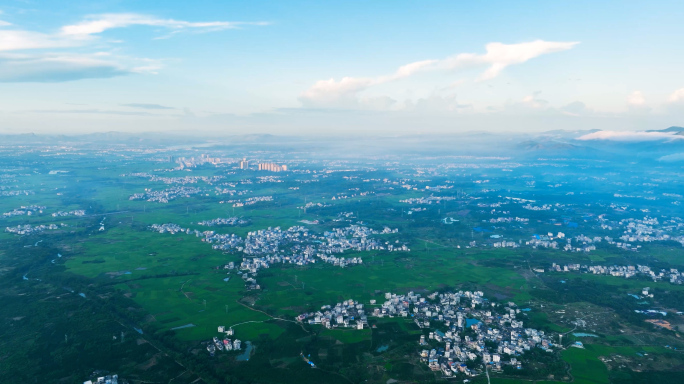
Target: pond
{"points": [[244, 356]]}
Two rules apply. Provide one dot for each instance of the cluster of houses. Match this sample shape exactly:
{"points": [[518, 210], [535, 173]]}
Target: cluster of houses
{"points": [[77, 212], [507, 220], [295, 245], [469, 328], [585, 244], [475, 329], [635, 230], [223, 221], [505, 244], [168, 228], [341, 196], [231, 192], [28, 229], [269, 179], [302, 244], [183, 180], [166, 195], [311, 204], [24, 210], [249, 201], [649, 229], [256, 199], [530, 207], [107, 379], [427, 200], [23, 192], [224, 344], [305, 248], [347, 314], [672, 275]]}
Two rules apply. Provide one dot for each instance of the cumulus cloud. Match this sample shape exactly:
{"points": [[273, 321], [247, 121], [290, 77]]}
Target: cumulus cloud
{"points": [[636, 99], [498, 56], [576, 108], [676, 96], [630, 136], [533, 101], [341, 93], [438, 103]]}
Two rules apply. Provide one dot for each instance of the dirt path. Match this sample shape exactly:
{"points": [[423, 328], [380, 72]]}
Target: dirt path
{"points": [[273, 317]]}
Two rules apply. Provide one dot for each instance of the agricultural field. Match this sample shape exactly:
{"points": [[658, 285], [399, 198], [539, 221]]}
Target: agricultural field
{"points": [[160, 252]]}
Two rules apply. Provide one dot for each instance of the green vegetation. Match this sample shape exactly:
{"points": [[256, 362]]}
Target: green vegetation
{"points": [[172, 288]]}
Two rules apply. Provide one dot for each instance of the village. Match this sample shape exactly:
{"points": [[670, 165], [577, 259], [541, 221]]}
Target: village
{"points": [[672, 275], [296, 245], [491, 335], [24, 210], [29, 229], [166, 195]]}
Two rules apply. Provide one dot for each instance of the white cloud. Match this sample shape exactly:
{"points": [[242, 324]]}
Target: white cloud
{"points": [[65, 66], [100, 23], [60, 67], [677, 96], [342, 93], [630, 136], [437, 103], [500, 56], [533, 101], [17, 40], [576, 108], [82, 33], [339, 93], [636, 99], [672, 158], [56, 68]]}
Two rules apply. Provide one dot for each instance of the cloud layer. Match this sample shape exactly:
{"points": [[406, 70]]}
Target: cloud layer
{"points": [[54, 59], [343, 93], [630, 136]]}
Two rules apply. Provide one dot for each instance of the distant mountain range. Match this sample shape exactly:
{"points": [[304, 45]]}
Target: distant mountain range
{"points": [[678, 130], [554, 143]]}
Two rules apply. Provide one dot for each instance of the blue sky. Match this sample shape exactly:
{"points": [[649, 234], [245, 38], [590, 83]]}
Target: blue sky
{"points": [[353, 67]]}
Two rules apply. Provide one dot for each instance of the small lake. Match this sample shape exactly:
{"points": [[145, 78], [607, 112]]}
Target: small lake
{"points": [[244, 356], [382, 348]]}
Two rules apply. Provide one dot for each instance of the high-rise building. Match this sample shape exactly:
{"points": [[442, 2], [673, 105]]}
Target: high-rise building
{"points": [[244, 164], [273, 167]]}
